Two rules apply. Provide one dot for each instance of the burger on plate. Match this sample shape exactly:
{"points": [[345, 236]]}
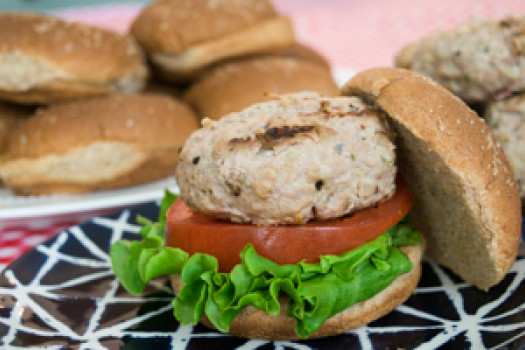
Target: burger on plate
{"points": [[307, 216]]}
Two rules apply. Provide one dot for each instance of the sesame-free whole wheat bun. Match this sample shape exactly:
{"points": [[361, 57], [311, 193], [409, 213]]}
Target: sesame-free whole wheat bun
{"points": [[183, 37], [467, 201], [235, 85], [467, 205], [45, 59], [97, 143]]}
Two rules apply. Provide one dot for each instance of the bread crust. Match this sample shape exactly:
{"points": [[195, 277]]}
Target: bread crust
{"points": [[467, 201], [230, 88], [172, 26], [187, 65], [257, 324], [149, 129], [46, 56]]}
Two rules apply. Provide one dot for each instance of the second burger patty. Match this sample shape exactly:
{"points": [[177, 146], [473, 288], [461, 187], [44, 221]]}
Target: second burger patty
{"points": [[294, 159]]}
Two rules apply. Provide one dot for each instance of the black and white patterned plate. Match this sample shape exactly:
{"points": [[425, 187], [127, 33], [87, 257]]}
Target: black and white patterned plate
{"points": [[63, 295]]}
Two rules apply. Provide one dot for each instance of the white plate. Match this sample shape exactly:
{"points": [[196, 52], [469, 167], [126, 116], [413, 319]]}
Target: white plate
{"points": [[19, 207]]}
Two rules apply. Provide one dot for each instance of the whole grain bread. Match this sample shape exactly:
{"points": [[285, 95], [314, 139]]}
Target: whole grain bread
{"points": [[467, 201], [97, 143], [45, 59]]}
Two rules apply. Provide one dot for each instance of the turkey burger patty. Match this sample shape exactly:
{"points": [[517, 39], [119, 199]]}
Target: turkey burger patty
{"points": [[300, 157]]}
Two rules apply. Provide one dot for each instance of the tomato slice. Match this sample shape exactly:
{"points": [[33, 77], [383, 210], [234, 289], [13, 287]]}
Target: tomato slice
{"points": [[285, 244]]}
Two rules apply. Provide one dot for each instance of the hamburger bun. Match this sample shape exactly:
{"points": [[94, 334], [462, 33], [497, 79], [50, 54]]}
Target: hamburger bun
{"points": [[467, 201], [467, 205], [45, 60], [230, 87], [97, 143], [183, 37]]}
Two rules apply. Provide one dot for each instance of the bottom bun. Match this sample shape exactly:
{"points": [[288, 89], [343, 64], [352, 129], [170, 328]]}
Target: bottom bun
{"points": [[257, 324]]}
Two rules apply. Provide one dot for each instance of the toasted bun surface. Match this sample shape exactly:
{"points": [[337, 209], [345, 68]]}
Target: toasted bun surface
{"points": [[45, 60], [467, 201], [97, 143], [257, 324], [231, 88]]}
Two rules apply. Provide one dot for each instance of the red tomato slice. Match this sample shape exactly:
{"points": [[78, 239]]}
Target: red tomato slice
{"points": [[286, 244]]}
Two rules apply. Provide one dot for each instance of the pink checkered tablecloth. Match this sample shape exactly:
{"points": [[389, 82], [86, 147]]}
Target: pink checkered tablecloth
{"points": [[352, 34]]}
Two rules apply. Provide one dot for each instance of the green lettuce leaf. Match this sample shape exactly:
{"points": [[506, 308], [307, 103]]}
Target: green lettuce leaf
{"points": [[135, 263], [317, 291]]}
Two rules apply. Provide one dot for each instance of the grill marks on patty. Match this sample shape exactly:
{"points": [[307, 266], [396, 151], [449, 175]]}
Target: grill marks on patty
{"points": [[273, 135]]}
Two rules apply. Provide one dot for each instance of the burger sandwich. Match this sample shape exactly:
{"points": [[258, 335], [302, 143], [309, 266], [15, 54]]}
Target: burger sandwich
{"points": [[307, 216]]}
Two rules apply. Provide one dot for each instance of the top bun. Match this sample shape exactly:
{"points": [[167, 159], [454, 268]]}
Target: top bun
{"points": [[467, 201], [45, 60], [183, 37]]}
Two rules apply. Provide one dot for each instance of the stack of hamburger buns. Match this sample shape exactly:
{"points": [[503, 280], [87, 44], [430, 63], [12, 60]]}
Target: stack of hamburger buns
{"points": [[84, 108], [482, 61]]}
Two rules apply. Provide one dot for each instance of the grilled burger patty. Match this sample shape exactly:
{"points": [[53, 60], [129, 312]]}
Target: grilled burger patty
{"points": [[288, 161], [476, 60]]}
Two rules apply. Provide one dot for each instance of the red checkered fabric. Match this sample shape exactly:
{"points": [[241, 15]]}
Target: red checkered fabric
{"points": [[17, 239]]}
